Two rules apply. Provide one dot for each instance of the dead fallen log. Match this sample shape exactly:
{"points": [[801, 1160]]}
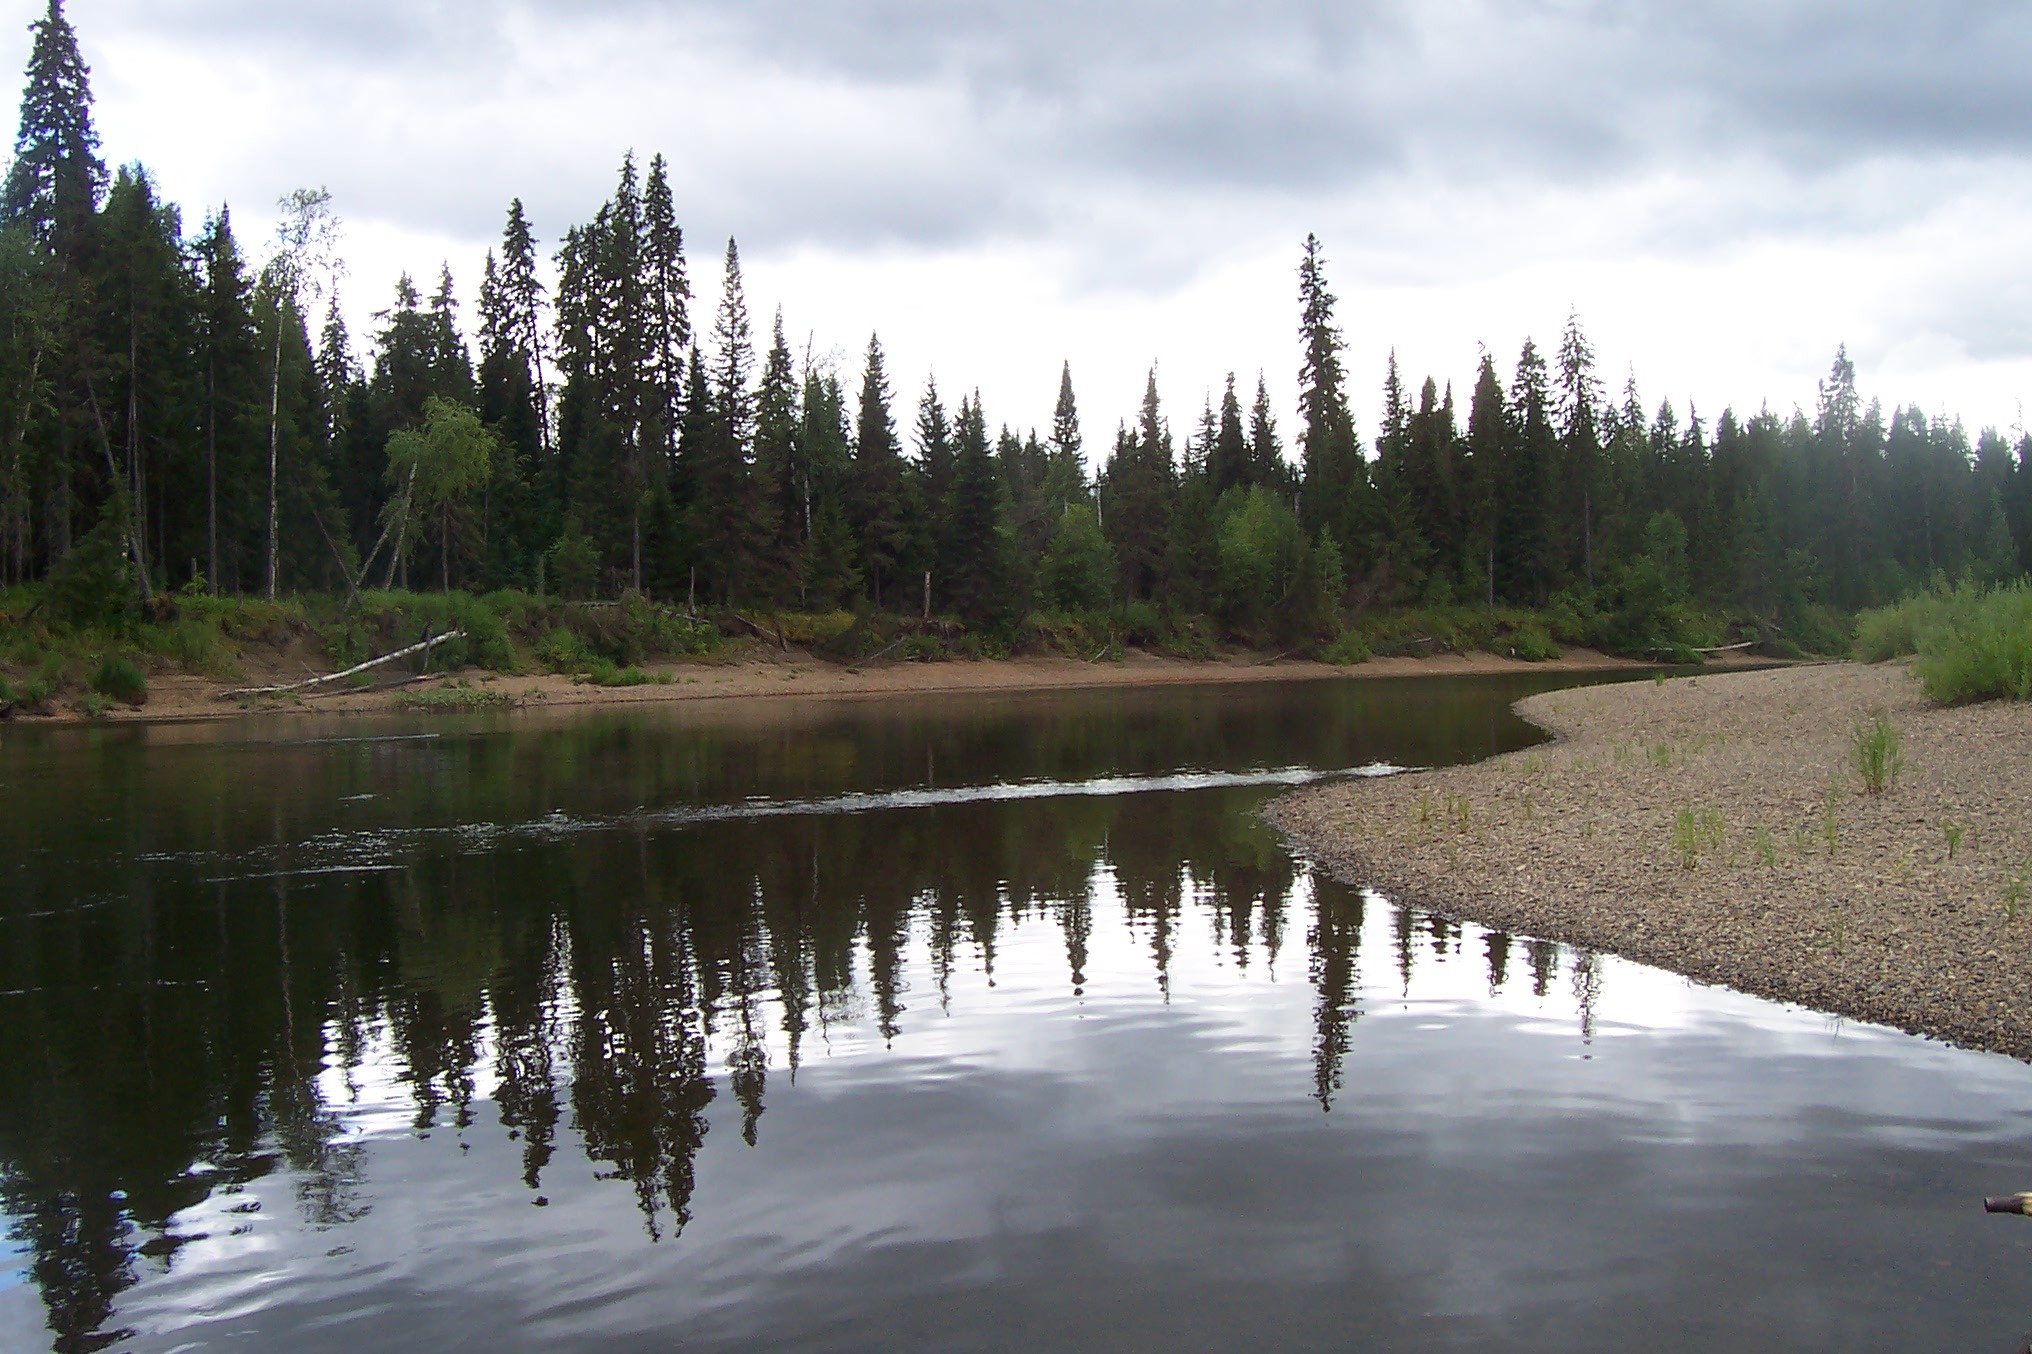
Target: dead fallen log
{"points": [[423, 648], [761, 632]]}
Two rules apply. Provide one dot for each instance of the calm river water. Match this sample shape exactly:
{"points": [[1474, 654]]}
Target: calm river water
{"points": [[987, 1023]]}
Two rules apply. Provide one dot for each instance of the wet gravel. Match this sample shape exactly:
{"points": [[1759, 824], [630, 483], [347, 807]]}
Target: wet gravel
{"points": [[1716, 826]]}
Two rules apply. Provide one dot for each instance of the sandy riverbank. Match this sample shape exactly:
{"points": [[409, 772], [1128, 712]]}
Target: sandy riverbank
{"points": [[761, 671], [1798, 887]]}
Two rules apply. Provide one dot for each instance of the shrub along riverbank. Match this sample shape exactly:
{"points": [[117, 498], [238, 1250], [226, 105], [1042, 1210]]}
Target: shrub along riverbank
{"points": [[78, 645], [1968, 643]]}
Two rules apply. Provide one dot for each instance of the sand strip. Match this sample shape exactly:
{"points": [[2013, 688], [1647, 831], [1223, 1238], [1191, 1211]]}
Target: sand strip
{"points": [[761, 671], [1714, 826]]}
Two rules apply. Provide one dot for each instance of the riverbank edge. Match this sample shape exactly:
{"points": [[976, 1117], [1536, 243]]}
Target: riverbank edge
{"points": [[1933, 954], [769, 674]]}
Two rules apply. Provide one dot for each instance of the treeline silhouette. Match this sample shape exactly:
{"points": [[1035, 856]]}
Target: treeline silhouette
{"points": [[215, 423]]}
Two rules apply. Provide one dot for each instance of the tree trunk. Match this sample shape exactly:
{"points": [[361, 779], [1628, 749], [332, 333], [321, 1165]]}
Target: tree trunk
{"points": [[274, 428], [212, 472], [1587, 533], [134, 542]]}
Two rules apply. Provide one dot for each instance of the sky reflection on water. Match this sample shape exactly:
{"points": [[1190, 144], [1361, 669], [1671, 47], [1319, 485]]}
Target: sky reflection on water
{"points": [[954, 1072]]}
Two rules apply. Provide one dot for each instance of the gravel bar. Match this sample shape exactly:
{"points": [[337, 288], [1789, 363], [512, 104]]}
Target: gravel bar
{"points": [[1716, 826]]}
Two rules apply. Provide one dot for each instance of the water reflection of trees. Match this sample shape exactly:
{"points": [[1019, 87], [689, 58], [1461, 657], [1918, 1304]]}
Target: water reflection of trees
{"points": [[607, 985]]}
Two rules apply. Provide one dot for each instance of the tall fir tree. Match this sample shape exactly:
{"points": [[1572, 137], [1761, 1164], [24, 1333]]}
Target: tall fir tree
{"points": [[1229, 464], [779, 472], [57, 178], [1333, 473], [667, 293], [876, 507], [976, 584], [1580, 452]]}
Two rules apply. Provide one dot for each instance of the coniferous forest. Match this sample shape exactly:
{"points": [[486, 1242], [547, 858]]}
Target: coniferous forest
{"points": [[187, 409]]}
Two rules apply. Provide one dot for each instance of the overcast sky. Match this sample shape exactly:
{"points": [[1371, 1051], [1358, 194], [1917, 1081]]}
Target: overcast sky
{"points": [[1723, 191]]}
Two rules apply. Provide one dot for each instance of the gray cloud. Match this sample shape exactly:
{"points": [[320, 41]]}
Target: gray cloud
{"points": [[1290, 94]]}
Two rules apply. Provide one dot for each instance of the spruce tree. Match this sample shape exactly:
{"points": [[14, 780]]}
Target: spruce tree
{"points": [[1136, 495], [1065, 425], [1580, 452], [1229, 464], [226, 346], [1527, 556], [56, 179], [876, 492], [1332, 468], [1266, 452], [667, 293], [977, 574], [1487, 473], [521, 292], [779, 472], [936, 469]]}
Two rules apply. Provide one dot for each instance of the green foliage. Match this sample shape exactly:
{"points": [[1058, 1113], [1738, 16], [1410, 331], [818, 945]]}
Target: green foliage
{"points": [[1980, 652], [1347, 649], [94, 583], [1087, 635], [561, 650], [1695, 831], [1874, 753], [1531, 642], [453, 699], [1077, 571], [1260, 554], [573, 562], [121, 680]]}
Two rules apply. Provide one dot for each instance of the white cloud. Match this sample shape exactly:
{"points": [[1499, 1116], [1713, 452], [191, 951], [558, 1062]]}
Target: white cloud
{"points": [[1724, 194]]}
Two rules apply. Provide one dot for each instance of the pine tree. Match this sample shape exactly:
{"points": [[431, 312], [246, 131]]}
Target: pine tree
{"points": [[977, 574], [876, 508], [1527, 556], [1394, 439], [56, 179], [779, 471], [1332, 467], [226, 346], [1580, 398], [1487, 474], [1229, 463], [521, 299], [667, 293], [1136, 495], [148, 383], [733, 357], [1266, 453], [1065, 425]]}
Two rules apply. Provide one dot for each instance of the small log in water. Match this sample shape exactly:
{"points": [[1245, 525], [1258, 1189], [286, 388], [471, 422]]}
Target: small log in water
{"points": [[425, 647], [2009, 1203]]}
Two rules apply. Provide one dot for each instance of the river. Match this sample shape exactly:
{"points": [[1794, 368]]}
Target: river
{"points": [[940, 1023]]}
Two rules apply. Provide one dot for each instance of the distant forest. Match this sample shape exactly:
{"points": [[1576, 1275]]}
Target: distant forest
{"points": [[208, 415]]}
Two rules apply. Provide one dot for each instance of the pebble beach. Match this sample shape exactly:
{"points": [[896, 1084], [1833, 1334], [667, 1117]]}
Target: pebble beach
{"points": [[1717, 826]]}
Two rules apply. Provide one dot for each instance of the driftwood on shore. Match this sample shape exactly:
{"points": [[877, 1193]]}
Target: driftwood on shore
{"points": [[423, 647]]}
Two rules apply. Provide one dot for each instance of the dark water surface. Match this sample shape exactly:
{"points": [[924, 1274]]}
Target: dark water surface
{"points": [[991, 1023]]}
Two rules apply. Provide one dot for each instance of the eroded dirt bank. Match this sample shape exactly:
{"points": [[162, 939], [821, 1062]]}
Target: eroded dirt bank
{"points": [[762, 671], [1715, 826]]}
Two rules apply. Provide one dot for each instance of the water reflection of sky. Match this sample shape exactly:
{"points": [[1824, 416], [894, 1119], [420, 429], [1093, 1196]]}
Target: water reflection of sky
{"points": [[1517, 1141], [895, 1062]]}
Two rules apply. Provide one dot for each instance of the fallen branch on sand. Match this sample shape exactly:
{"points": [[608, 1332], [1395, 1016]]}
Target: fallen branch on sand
{"points": [[424, 648]]}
